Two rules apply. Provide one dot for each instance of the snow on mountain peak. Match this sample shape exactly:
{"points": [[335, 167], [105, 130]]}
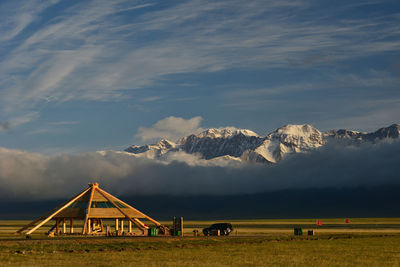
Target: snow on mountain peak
{"points": [[153, 150], [225, 132], [298, 130], [391, 132], [304, 136], [290, 139], [165, 144]]}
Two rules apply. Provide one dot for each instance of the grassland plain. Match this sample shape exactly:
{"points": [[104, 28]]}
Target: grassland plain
{"points": [[363, 242]]}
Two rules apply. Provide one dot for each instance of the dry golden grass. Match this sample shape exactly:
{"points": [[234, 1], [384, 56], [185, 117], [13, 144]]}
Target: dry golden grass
{"points": [[235, 251], [364, 242]]}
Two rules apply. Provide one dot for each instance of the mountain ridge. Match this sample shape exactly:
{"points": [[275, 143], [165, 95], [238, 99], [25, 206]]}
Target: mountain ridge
{"points": [[245, 145]]}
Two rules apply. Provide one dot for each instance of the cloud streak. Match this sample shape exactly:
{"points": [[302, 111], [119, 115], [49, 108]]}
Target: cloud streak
{"points": [[34, 176], [98, 50], [17, 121]]}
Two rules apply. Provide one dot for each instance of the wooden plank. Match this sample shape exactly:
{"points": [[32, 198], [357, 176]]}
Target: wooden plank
{"points": [[58, 211], [71, 213], [98, 197], [88, 209], [106, 213], [112, 213], [134, 214], [50, 212], [108, 196]]}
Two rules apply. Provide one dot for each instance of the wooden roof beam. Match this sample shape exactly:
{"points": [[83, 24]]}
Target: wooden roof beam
{"points": [[144, 215], [123, 212], [58, 211], [92, 187]]}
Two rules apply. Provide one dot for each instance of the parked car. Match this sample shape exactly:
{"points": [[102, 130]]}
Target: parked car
{"points": [[224, 229]]}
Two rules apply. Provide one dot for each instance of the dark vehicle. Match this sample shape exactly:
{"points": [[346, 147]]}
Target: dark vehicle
{"points": [[224, 229]]}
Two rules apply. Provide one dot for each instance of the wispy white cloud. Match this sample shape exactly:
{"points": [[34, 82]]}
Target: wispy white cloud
{"points": [[17, 121], [362, 101], [64, 123], [375, 112], [365, 82], [16, 17], [45, 131], [151, 98], [57, 127], [23, 119], [96, 51]]}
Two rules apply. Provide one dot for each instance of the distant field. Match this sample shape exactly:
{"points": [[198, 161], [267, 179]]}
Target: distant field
{"points": [[363, 242]]}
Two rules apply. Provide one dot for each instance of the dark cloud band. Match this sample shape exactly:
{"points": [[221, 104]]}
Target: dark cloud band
{"points": [[34, 176]]}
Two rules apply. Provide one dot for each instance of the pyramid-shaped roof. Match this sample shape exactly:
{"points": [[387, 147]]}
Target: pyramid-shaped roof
{"points": [[93, 202]]}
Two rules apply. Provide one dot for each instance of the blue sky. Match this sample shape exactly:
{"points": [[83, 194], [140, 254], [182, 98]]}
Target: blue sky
{"points": [[88, 75]]}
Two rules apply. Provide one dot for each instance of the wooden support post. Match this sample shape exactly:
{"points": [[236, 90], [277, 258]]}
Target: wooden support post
{"points": [[181, 226], [101, 225], [89, 221], [130, 226], [57, 223], [116, 225], [64, 231], [71, 225], [122, 225], [108, 230], [174, 226]]}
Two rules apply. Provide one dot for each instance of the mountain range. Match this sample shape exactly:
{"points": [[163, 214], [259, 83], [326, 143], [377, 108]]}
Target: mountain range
{"points": [[245, 145]]}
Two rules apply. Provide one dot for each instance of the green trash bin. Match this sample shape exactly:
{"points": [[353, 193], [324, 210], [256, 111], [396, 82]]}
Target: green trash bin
{"points": [[298, 231], [153, 232]]}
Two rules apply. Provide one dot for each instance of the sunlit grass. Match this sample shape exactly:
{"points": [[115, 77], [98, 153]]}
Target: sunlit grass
{"points": [[363, 242]]}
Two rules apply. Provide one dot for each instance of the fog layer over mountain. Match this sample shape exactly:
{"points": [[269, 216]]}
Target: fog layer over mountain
{"points": [[32, 176]]}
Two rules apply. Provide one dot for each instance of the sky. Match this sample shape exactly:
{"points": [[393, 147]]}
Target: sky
{"points": [[78, 77], [81, 76]]}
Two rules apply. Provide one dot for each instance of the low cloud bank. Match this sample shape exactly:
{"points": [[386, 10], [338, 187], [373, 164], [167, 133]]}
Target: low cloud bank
{"points": [[32, 176]]}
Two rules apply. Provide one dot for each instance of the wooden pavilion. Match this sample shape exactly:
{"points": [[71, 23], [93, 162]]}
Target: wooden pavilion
{"points": [[92, 206]]}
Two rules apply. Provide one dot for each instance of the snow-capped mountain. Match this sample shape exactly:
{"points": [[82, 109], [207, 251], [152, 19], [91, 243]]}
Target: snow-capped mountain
{"points": [[152, 151], [288, 139], [214, 143], [245, 145], [391, 132]]}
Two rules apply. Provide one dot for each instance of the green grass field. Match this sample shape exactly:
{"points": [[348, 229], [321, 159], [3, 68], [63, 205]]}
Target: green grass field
{"points": [[363, 242]]}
